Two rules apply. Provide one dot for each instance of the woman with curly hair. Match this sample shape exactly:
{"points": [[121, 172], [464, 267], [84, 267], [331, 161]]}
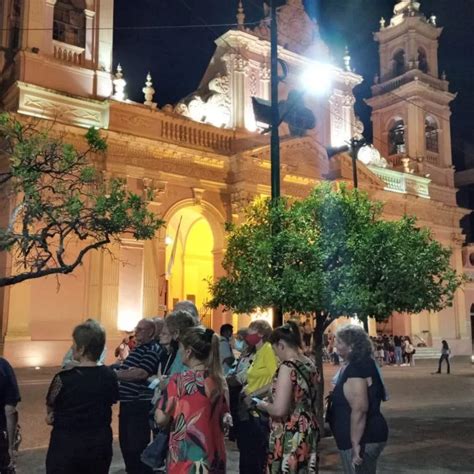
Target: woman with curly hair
{"points": [[194, 406], [294, 432], [358, 426]]}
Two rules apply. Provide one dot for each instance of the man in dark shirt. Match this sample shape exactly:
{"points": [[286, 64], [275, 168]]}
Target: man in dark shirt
{"points": [[135, 397], [9, 397]]}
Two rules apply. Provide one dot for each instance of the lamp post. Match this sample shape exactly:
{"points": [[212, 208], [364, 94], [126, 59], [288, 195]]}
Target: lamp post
{"points": [[353, 148], [275, 113], [275, 137]]}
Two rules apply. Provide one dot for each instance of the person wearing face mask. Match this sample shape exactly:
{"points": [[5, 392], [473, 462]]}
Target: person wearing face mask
{"points": [[194, 406], [237, 378], [252, 433]]}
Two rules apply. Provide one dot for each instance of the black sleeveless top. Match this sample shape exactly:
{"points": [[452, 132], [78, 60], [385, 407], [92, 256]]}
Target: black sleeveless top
{"points": [[376, 429]]}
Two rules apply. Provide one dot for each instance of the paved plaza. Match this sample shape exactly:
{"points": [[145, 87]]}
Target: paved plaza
{"points": [[431, 420]]}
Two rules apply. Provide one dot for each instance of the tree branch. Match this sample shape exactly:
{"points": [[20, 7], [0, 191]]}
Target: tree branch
{"points": [[65, 269]]}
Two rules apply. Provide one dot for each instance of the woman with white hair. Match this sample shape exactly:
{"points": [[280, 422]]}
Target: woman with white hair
{"points": [[358, 426]]}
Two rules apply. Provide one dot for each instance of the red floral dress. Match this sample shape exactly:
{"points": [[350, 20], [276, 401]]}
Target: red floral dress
{"points": [[294, 439], [196, 442]]}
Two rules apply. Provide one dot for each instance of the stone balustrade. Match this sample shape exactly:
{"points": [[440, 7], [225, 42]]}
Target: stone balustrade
{"points": [[432, 158], [408, 77], [398, 182], [187, 132], [68, 53]]}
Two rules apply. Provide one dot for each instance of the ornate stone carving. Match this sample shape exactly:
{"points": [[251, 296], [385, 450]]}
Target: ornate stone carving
{"points": [[197, 195], [39, 102], [240, 63], [153, 190], [296, 30], [119, 84], [253, 84], [239, 200], [211, 106], [348, 100], [265, 72], [336, 103], [149, 91]]}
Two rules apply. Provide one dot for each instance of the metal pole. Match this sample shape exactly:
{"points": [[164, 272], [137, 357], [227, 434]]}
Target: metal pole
{"points": [[356, 145], [275, 138]]}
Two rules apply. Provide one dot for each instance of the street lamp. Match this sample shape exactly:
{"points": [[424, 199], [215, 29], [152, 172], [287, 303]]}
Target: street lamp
{"points": [[354, 147], [316, 79]]}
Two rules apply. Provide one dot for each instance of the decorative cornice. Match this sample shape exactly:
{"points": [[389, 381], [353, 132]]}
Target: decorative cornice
{"points": [[44, 103]]}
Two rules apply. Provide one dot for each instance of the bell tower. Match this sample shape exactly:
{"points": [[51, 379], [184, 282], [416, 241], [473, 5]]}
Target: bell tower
{"points": [[54, 54], [410, 102]]}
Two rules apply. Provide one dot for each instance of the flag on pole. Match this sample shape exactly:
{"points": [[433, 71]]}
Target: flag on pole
{"points": [[173, 252]]}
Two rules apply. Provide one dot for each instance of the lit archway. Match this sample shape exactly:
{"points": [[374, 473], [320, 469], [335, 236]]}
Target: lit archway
{"points": [[192, 242]]}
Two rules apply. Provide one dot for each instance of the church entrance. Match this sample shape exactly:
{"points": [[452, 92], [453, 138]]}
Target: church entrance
{"points": [[189, 260]]}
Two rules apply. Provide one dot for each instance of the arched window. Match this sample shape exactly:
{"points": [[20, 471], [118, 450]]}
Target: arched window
{"points": [[399, 63], [70, 22], [396, 137], [431, 135], [422, 61]]}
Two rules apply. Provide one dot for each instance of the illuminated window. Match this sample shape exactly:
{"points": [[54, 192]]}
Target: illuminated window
{"points": [[70, 22], [396, 137], [431, 135]]}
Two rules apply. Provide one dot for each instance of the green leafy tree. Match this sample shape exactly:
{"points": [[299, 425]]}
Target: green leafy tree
{"points": [[56, 206], [333, 255]]}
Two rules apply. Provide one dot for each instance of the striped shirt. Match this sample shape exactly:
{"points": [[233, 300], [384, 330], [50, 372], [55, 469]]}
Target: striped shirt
{"points": [[146, 357]]}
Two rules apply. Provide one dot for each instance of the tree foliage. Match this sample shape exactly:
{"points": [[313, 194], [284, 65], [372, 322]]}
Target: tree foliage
{"points": [[59, 207], [333, 254]]}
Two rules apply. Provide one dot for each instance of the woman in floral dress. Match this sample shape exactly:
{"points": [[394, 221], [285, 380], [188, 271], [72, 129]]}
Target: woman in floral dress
{"points": [[294, 436], [194, 406]]}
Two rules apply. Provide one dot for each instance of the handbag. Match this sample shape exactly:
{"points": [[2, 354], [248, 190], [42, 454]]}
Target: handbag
{"points": [[155, 453], [328, 407]]}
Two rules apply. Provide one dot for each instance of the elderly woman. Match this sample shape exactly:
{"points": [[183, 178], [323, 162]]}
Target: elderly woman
{"points": [[79, 407], [252, 433], [358, 426], [194, 406]]}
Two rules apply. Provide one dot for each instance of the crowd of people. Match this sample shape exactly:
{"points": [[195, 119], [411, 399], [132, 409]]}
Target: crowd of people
{"points": [[182, 388]]}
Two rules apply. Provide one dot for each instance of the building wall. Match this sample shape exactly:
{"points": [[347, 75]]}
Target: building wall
{"points": [[204, 173]]}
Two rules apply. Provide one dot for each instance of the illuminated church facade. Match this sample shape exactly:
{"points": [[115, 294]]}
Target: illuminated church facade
{"points": [[204, 159]]}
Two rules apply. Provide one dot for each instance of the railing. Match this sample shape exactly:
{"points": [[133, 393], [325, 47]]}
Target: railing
{"points": [[398, 182], [409, 76], [432, 158], [196, 134], [68, 53]]}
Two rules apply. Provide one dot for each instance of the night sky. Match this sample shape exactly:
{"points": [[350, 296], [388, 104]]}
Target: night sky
{"points": [[178, 57]]}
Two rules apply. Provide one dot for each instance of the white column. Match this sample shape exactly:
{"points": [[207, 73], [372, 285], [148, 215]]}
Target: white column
{"points": [[90, 37], [48, 25]]}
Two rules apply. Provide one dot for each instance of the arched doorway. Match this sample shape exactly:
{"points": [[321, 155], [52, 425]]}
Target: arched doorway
{"points": [[190, 265]]}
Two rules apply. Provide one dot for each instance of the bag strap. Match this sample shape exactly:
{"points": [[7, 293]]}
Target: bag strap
{"points": [[312, 395]]}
